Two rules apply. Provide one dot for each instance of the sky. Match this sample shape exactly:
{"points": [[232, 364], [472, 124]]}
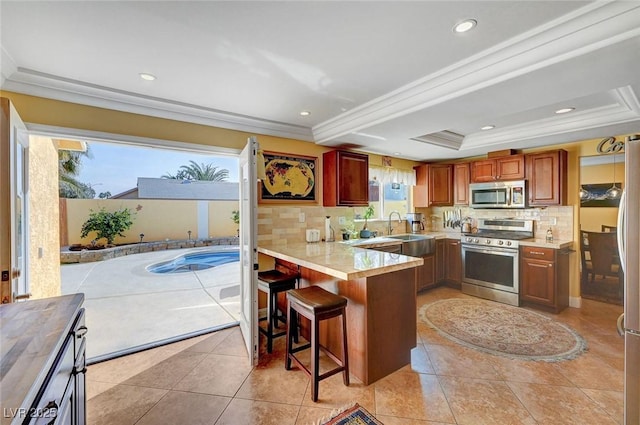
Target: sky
{"points": [[115, 168]]}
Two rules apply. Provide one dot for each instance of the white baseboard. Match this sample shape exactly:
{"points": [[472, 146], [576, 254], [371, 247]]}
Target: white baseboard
{"points": [[575, 302]]}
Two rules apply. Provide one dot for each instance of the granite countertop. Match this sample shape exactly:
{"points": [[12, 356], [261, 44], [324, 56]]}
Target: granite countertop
{"points": [[31, 335], [341, 260], [385, 240]]}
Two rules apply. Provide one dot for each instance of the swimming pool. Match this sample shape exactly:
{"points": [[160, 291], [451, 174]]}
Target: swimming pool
{"points": [[195, 261]]}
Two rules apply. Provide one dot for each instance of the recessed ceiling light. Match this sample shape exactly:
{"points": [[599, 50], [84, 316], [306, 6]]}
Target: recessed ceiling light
{"points": [[465, 25], [488, 127], [305, 113], [396, 153], [147, 77], [564, 110]]}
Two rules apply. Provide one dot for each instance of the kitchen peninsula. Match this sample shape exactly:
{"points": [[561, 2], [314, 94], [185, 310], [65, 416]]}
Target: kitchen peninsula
{"points": [[381, 292]]}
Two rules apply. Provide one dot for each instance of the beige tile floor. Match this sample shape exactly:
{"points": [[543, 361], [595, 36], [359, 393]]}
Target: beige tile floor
{"points": [[206, 380]]}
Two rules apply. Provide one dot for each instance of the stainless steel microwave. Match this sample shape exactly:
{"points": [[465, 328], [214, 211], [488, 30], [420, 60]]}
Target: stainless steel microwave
{"points": [[508, 194]]}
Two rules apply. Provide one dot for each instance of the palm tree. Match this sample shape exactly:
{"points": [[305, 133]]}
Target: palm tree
{"points": [[202, 171], [69, 163]]}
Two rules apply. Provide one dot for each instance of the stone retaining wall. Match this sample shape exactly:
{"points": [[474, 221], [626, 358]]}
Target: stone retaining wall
{"points": [[87, 256]]}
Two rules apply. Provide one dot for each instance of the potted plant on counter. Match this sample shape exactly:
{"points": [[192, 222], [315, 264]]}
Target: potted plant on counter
{"points": [[368, 213]]}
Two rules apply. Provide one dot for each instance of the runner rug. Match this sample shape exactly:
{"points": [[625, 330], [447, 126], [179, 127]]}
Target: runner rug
{"points": [[503, 330]]}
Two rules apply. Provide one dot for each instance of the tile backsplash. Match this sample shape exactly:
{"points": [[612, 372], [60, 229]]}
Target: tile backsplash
{"points": [[560, 219], [285, 225]]}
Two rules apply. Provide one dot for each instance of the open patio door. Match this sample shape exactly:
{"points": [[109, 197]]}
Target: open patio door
{"points": [[249, 249], [13, 205]]}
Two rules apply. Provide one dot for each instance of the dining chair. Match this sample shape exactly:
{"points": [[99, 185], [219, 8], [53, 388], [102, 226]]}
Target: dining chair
{"points": [[602, 248]]}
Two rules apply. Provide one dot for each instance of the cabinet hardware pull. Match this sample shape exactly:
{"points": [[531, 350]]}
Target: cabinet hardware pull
{"points": [[536, 252], [81, 331]]}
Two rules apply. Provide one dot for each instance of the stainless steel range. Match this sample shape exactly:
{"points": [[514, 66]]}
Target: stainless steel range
{"points": [[490, 259]]}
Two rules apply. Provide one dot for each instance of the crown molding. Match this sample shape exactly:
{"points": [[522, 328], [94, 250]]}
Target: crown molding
{"points": [[624, 111], [597, 25], [7, 65], [25, 81]]}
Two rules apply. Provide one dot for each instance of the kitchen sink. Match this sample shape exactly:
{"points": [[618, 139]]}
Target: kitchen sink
{"points": [[416, 245], [410, 237]]}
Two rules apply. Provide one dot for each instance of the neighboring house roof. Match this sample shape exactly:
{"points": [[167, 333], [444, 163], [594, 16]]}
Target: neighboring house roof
{"points": [[127, 194], [155, 188]]}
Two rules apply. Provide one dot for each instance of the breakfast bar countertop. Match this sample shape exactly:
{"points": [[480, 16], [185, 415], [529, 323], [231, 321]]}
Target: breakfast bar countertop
{"points": [[340, 260]]}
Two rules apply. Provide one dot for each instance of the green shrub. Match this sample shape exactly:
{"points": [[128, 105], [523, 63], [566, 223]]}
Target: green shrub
{"points": [[108, 225]]}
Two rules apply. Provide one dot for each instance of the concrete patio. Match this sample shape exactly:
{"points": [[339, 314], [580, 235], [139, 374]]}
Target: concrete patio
{"points": [[128, 306]]}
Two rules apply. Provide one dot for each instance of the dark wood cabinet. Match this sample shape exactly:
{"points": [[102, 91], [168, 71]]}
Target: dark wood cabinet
{"points": [[441, 259], [434, 185], [510, 167], [547, 178], [448, 261], [544, 277], [461, 176], [453, 269], [345, 179], [427, 273]]}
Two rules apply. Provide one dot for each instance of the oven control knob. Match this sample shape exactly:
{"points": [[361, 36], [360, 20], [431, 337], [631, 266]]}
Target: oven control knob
{"points": [[469, 239], [500, 242], [476, 240], [508, 243], [488, 241]]}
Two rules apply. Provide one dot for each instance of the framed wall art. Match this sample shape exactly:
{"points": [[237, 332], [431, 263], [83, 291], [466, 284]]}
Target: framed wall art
{"points": [[289, 178], [595, 195]]}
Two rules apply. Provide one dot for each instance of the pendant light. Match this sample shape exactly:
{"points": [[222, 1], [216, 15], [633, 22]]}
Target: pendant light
{"points": [[585, 195], [614, 191]]}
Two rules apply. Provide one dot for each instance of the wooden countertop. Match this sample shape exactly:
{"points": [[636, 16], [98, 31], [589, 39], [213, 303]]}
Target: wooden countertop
{"points": [[31, 335], [340, 260]]}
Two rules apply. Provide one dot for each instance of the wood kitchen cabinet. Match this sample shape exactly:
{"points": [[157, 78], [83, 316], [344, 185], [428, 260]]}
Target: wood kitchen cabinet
{"points": [[544, 277], [441, 259], [510, 167], [427, 272], [345, 179], [461, 177], [547, 178], [434, 185], [448, 260], [453, 269]]}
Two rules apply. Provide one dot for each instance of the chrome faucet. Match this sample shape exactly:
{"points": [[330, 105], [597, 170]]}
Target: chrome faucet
{"points": [[399, 220]]}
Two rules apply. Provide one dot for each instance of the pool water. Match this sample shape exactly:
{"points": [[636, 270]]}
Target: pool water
{"points": [[195, 261]]}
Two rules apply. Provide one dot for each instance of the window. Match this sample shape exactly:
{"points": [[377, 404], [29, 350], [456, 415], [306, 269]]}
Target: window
{"points": [[386, 198], [389, 191]]}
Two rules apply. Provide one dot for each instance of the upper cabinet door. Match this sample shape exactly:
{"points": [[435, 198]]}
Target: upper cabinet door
{"points": [[461, 176], [483, 171], [345, 179], [547, 176], [440, 185], [510, 167], [434, 185]]}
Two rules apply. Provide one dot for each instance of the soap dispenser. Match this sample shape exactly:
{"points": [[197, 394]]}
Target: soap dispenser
{"points": [[549, 235]]}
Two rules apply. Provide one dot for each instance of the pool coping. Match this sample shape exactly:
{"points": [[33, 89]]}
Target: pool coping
{"points": [[88, 256]]}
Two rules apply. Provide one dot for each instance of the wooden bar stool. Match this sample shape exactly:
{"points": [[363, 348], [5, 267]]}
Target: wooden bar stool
{"points": [[273, 282], [316, 304]]}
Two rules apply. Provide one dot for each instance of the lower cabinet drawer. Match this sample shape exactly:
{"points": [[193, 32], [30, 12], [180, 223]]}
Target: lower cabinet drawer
{"points": [[49, 404]]}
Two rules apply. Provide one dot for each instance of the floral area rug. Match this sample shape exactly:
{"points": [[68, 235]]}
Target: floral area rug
{"points": [[353, 415], [503, 330]]}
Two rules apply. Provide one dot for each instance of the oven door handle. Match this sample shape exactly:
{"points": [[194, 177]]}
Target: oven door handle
{"points": [[493, 250]]}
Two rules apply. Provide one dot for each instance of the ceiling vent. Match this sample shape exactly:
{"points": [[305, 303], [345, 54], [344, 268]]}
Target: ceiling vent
{"points": [[445, 139]]}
